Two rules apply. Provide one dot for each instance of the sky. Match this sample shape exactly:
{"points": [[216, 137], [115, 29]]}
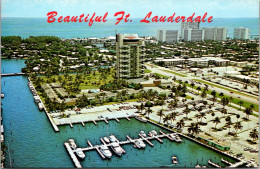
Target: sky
{"points": [[136, 8]]}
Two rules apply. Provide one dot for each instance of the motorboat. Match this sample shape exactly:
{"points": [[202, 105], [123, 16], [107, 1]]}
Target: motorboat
{"points": [[105, 151], [174, 160], [2, 95], [139, 143], [152, 133], [72, 144], [197, 166], [40, 106], [80, 153], [176, 137], [106, 140], [140, 118], [117, 149], [142, 133], [112, 138]]}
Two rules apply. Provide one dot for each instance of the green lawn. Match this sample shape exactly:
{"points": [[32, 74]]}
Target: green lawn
{"points": [[147, 71], [178, 74], [222, 87], [162, 76]]}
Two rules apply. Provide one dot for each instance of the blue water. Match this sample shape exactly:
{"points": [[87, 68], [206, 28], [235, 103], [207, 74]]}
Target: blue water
{"points": [[40, 26], [12, 66], [32, 141]]}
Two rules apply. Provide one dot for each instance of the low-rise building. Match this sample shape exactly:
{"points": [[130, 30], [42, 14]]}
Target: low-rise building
{"points": [[171, 62]]}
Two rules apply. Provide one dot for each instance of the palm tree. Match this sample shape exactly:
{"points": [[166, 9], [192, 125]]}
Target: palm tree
{"points": [[237, 116], [238, 126], [160, 114], [149, 111], [192, 85], [224, 101], [252, 106], [172, 116], [213, 93], [228, 122], [197, 116], [240, 103], [248, 111], [230, 99], [216, 120], [142, 108], [166, 119], [199, 89], [194, 128], [254, 134], [221, 94], [186, 111], [180, 124]]}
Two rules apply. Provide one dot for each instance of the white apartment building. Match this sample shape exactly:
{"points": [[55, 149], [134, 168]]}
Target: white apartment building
{"points": [[169, 36], [171, 62], [241, 33], [206, 61], [193, 35], [130, 55], [216, 34], [188, 25]]}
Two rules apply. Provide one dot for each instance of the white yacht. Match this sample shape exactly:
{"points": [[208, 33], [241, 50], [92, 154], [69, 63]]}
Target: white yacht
{"points": [[176, 137], [142, 133], [80, 153], [152, 133], [105, 151], [72, 144], [112, 138], [106, 140], [139, 143], [117, 148]]}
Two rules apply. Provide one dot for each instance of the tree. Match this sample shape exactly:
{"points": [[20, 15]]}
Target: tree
{"points": [[228, 122], [238, 126], [216, 121], [213, 93], [199, 89], [194, 128], [254, 134], [149, 111], [240, 103], [248, 111], [221, 94], [237, 116], [180, 124], [192, 85], [160, 114], [166, 119], [224, 101], [186, 111]]}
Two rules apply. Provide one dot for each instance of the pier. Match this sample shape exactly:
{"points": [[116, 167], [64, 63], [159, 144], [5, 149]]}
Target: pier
{"points": [[94, 122], [117, 120], [83, 124], [127, 118], [97, 147], [72, 155], [214, 164], [227, 162], [105, 120]]}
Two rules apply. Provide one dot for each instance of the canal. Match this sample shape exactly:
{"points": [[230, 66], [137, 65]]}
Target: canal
{"points": [[32, 141]]}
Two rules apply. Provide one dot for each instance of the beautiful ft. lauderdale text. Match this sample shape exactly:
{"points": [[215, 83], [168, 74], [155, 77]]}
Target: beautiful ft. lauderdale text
{"points": [[125, 17]]}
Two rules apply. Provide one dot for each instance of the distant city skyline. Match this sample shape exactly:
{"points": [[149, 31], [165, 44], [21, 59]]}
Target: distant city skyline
{"points": [[137, 9]]}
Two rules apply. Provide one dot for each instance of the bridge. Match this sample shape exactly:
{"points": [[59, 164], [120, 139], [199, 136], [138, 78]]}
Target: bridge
{"points": [[13, 74]]}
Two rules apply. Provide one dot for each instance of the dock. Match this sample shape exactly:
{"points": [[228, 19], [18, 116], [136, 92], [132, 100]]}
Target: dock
{"points": [[71, 125], [94, 122], [150, 143], [72, 155], [105, 120], [117, 120], [12, 74], [128, 118], [238, 164], [214, 164], [166, 135], [83, 124], [97, 147], [227, 162]]}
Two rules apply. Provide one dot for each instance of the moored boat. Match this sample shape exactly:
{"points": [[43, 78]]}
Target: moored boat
{"points": [[72, 144], [117, 149], [80, 153], [140, 118], [2, 95], [142, 133], [174, 160], [139, 143], [106, 140], [176, 137], [40, 106], [112, 138], [105, 151], [152, 133]]}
